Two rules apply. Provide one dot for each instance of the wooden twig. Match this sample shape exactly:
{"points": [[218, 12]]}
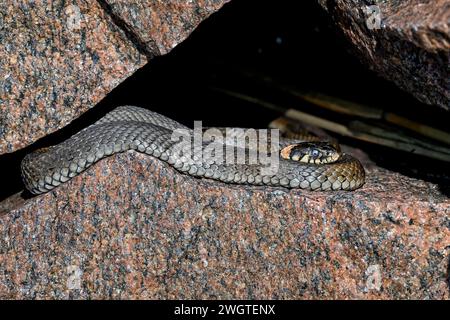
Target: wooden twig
{"points": [[424, 130], [343, 106], [338, 105], [387, 137]]}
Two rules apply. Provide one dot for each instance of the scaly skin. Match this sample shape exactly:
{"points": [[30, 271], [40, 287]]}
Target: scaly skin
{"points": [[132, 128]]}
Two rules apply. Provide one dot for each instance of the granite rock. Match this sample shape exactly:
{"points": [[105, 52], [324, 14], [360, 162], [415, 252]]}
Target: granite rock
{"points": [[59, 58], [133, 227], [160, 25], [407, 42]]}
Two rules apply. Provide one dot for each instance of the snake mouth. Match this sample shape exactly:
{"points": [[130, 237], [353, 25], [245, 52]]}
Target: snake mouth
{"points": [[311, 152]]}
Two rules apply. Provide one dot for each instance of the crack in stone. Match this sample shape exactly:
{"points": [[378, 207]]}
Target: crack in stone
{"points": [[149, 48]]}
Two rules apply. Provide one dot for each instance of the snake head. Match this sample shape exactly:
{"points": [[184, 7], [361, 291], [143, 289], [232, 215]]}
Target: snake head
{"points": [[311, 152]]}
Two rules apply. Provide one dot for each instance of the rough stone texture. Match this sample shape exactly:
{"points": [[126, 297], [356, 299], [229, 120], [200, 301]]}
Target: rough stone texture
{"points": [[412, 47], [59, 58], [133, 227], [161, 25]]}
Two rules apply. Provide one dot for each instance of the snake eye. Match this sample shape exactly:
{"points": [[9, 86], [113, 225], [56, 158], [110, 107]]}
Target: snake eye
{"points": [[315, 153]]}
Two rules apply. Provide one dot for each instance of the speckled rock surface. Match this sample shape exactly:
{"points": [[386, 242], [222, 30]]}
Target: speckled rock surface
{"points": [[408, 42], [59, 58], [132, 227], [161, 25]]}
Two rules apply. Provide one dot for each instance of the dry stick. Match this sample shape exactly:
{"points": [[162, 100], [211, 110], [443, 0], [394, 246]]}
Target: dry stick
{"points": [[341, 129], [291, 113], [394, 140], [316, 121], [418, 127], [247, 98], [337, 104], [404, 144], [395, 135], [321, 100], [350, 108]]}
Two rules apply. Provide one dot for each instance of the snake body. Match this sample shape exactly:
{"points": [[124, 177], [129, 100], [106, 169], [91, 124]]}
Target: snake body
{"points": [[134, 128]]}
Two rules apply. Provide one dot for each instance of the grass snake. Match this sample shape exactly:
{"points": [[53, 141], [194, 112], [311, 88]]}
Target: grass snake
{"points": [[305, 165]]}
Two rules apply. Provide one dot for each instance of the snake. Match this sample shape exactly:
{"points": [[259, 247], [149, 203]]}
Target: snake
{"points": [[309, 165]]}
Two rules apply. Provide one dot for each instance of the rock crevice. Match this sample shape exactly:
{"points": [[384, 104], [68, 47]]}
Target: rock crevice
{"points": [[148, 48]]}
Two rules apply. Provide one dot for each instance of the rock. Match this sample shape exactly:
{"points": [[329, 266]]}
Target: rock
{"points": [[59, 59], [407, 42], [133, 227], [161, 25]]}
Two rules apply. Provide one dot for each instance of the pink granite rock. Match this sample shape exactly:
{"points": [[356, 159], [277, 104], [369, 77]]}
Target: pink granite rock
{"points": [[59, 58], [133, 227], [161, 25], [407, 42]]}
